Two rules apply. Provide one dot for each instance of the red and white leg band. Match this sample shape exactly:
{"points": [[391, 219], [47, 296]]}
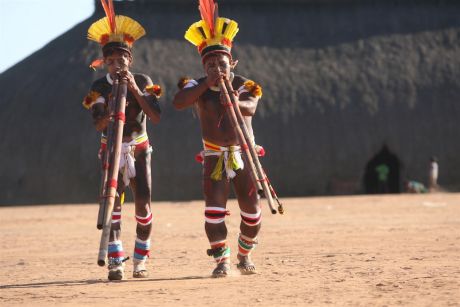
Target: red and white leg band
{"points": [[144, 221], [217, 244], [251, 219], [116, 217], [215, 215]]}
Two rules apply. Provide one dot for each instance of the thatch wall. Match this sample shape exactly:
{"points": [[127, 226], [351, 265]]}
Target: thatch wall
{"points": [[340, 79]]}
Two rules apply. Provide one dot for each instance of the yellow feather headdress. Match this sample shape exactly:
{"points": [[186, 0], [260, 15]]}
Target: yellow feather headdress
{"points": [[212, 33], [127, 30], [115, 30]]}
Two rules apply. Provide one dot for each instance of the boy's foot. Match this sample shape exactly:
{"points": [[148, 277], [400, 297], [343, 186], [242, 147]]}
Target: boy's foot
{"points": [[141, 274], [116, 269], [246, 266], [222, 270], [116, 274], [139, 270]]}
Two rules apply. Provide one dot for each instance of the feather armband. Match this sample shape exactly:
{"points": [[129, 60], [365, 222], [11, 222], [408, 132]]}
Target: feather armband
{"points": [[183, 82], [91, 99], [154, 90], [251, 87]]}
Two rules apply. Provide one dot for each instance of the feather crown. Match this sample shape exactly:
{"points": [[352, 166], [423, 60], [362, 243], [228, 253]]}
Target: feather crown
{"points": [[118, 29], [212, 33]]}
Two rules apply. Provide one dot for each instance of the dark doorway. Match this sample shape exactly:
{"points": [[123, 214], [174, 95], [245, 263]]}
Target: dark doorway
{"points": [[382, 173]]}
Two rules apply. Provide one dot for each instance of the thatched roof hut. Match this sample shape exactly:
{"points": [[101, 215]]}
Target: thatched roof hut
{"points": [[340, 78]]}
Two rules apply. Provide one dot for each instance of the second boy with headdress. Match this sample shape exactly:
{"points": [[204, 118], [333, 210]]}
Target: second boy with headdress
{"points": [[223, 164]]}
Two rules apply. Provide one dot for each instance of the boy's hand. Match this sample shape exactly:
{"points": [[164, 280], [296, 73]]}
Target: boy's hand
{"points": [[132, 86], [212, 79]]}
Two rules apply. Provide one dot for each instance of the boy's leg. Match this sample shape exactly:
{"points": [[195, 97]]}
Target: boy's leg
{"points": [[116, 254], [216, 194], [141, 187], [248, 201]]}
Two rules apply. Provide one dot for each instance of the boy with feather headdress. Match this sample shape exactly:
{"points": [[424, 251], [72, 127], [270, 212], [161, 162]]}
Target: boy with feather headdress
{"points": [[116, 34], [223, 164]]}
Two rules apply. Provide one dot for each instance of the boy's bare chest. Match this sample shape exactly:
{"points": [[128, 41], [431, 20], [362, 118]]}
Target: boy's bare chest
{"points": [[133, 111], [210, 104]]}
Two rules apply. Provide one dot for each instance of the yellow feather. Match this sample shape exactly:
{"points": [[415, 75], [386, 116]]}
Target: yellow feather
{"points": [[192, 36], [219, 26], [124, 25], [127, 25], [206, 29], [98, 28], [232, 29], [197, 37]]}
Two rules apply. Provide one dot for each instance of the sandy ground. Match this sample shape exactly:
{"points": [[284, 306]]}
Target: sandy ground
{"points": [[342, 251]]}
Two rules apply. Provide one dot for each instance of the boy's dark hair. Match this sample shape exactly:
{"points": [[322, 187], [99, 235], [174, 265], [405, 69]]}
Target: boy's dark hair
{"points": [[112, 47], [111, 51]]}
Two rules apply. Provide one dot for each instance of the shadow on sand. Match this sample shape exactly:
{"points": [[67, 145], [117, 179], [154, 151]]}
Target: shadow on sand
{"points": [[70, 283]]}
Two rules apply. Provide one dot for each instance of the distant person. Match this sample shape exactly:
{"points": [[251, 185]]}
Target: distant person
{"points": [[433, 174], [141, 103], [415, 187], [383, 172], [223, 165]]}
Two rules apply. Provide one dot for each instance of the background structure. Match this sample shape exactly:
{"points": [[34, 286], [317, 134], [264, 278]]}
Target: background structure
{"points": [[341, 79]]}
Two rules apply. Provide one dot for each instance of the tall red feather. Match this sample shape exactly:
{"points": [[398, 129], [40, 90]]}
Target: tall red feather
{"points": [[208, 10], [110, 13]]}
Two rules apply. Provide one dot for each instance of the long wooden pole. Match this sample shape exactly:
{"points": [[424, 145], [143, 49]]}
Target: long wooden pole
{"points": [[105, 158], [114, 165], [244, 144], [268, 189]]}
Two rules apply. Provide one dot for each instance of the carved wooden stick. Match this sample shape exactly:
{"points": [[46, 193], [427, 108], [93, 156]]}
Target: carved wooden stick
{"points": [[118, 118], [105, 158], [260, 171], [259, 183]]}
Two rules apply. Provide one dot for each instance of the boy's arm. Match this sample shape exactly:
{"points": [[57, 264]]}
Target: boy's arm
{"points": [[189, 94], [96, 103], [248, 104], [192, 91], [100, 116]]}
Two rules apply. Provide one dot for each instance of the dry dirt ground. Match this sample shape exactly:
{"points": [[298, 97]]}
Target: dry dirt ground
{"points": [[399, 250]]}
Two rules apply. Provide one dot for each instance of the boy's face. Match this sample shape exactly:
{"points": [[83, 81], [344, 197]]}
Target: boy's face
{"points": [[117, 60], [217, 64]]}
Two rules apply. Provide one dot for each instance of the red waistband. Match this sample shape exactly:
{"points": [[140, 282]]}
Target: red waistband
{"points": [[139, 147]]}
